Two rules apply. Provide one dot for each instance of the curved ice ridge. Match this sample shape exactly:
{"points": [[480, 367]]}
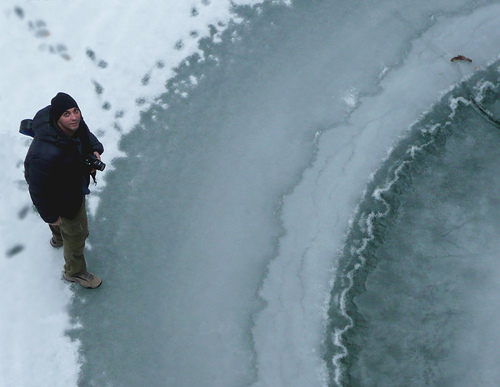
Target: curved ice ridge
{"points": [[395, 175]]}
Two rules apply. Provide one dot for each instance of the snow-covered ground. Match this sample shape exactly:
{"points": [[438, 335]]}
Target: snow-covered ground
{"points": [[76, 47]]}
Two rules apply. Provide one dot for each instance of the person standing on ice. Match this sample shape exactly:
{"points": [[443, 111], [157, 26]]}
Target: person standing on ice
{"points": [[62, 157]]}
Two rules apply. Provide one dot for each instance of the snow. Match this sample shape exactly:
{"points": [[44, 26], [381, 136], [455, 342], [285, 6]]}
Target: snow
{"points": [[76, 47]]}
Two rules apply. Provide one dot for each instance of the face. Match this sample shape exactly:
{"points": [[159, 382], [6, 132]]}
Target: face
{"points": [[70, 120]]}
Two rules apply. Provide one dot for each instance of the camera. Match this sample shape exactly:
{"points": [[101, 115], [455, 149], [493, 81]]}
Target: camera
{"points": [[93, 162]]}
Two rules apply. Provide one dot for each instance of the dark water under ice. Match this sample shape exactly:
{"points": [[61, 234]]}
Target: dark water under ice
{"points": [[425, 298]]}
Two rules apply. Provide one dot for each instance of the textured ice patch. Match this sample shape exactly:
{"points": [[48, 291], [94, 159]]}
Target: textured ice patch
{"points": [[351, 98]]}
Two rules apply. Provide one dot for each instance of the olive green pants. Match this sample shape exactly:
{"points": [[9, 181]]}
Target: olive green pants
{"points": [[73, 233]]}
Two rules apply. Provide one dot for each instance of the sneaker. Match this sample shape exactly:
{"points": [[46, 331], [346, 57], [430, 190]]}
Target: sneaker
{"points": [[86, 279], [55, 243]]}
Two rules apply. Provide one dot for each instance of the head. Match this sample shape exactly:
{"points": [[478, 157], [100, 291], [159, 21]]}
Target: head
{"points": [[65, 112]]}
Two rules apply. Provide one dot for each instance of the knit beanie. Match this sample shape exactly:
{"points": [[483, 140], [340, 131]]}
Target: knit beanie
{"points": [[60, 103]]}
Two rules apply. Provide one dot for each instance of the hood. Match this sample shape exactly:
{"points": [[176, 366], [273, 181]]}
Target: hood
{"points": [[45, 129]]}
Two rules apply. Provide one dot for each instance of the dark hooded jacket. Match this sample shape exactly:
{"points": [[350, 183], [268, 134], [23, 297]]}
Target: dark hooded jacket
{"points": [[55, 168]]}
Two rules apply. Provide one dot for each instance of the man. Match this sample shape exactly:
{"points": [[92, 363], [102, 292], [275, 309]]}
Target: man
{"points": [[58, 177]]}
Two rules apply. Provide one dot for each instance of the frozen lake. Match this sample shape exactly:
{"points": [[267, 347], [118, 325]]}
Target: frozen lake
{"points": [[305, 195]]}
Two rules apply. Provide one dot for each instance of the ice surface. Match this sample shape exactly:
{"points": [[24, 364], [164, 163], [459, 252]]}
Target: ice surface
{"points": [[263, 160], [298, 280]]}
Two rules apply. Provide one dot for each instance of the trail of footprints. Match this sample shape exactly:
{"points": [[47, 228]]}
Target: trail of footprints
{"points": [[40, 30]]}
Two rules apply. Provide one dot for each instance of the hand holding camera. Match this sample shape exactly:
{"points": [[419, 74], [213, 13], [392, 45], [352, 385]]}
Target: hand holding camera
{"points": [[94, 161]]}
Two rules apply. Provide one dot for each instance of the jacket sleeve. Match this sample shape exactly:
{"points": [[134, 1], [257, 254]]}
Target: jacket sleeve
{"points": [[41, 186], [95, 144]]}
